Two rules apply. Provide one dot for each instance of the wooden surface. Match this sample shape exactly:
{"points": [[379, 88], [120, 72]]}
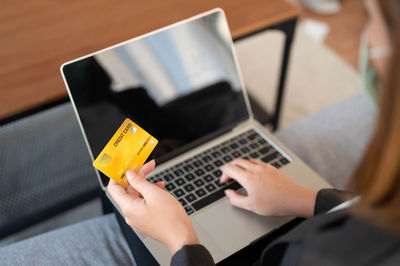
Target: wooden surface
{"points": [[345, 28], [38, 36]]}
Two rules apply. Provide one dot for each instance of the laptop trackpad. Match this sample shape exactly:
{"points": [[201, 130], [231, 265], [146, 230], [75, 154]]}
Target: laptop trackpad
{"points": [[233, 228]]}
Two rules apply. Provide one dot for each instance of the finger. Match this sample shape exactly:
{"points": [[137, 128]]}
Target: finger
{"points": [[224, 178], [257, 161], [245, 164], [118, 193], [235, 172], [160, 184], [236, 199], [147, 168], [139, 183]]}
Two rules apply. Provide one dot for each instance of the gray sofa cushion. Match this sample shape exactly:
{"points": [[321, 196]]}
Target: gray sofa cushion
{"points": [[333, 140], [44, 162], [97, 241]]}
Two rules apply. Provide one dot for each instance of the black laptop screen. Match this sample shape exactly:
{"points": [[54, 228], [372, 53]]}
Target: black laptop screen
{"points": [[180, 84]]}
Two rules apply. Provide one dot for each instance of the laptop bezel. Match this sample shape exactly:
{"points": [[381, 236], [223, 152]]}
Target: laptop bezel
{"points": [[204, 14]]}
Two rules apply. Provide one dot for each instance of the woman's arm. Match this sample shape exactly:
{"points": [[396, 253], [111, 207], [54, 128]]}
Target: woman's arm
{"points": [[192, 255], [327, 199]]}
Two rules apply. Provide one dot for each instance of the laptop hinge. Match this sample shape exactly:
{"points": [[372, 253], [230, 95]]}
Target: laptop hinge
{"points": [[243, 124]]}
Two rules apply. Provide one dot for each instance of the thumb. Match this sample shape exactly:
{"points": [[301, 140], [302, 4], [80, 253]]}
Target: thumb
{"points": [[160, 184], [236, 199], [138, 182]]}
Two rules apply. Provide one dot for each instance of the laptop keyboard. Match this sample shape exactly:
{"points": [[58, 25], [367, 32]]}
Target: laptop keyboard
{"points": [[195, 181]]}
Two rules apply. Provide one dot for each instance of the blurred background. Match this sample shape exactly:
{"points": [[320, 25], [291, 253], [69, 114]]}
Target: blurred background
{"points": [[47, 180]]}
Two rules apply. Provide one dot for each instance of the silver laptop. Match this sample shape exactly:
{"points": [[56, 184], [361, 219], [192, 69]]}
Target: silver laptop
{"points": [[182, 84]]}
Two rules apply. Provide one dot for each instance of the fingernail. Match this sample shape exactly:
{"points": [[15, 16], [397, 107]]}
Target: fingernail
{"points": [[129, 174]]}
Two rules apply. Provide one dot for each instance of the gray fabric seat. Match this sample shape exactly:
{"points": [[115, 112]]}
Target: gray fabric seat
{"points": [[97, 241], [330, 141], [333, 140], [44, 165]]}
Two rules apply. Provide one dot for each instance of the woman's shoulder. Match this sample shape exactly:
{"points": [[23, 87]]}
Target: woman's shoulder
{"points": [[345, 239], [337, 238]]}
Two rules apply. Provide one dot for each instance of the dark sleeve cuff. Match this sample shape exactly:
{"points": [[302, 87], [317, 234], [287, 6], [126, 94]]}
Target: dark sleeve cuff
{"points": [[327, 199], [192, 255]]}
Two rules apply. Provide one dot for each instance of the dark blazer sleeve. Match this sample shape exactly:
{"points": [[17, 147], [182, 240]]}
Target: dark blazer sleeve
{"points": [[327, 199], [192, 255]]}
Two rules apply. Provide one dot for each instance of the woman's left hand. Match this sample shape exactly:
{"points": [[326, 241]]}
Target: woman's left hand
{"points": [[153, 211]]}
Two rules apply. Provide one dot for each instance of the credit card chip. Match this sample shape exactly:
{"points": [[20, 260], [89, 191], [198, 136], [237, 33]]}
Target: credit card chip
{"points": [[105, 159]]}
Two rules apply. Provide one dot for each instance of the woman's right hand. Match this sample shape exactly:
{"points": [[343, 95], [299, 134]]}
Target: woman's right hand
{"points": [[269, 191]]}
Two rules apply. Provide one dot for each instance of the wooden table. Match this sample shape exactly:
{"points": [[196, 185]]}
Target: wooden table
{"points": [[38, 36]]}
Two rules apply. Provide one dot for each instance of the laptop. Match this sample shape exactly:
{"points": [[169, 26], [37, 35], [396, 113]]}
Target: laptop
{"points": [[182, 84]]}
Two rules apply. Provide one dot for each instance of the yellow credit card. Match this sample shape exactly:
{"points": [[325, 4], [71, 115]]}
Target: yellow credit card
{"points": [[128, 149]]}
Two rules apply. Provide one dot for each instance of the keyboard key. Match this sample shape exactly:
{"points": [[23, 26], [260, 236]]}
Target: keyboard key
{"points": [[189, 210], [262, 141], [208, 178], [170, 186], [207, 159], [234, 146], [219, 184], [180, 181], [236, 154], [216, 154], [189, 187], [245, 150], [190, 177], [200, 192], [210, 187], [182, 201], [265, 150], [208, 168], [276, 165], [214, 196], [190, 197], [270, 157], [197, 163], [225, 150], [253, 145], [168, 177], [227, 158], [179, 192], [199, 172], [252, 136], [225, 143], [188, 168], [218, 163], [178, 172], [254, 155], [199, 182], [284, 161], [242, 141], [217, 173]]}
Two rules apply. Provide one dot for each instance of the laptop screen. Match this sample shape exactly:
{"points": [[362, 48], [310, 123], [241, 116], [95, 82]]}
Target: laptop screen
{"points": [[180, 84]]}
